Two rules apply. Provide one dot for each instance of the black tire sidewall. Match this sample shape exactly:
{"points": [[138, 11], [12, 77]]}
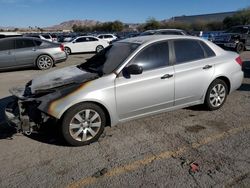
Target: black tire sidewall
{"points": [[71, 113], [207, 100]]}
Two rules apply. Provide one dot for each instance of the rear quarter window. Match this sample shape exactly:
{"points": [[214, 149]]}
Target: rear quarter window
{"points": [[207, 49]]}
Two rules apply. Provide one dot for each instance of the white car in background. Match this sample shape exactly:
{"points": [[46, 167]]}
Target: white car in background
{"points": [[85, 44], [107, 37]]}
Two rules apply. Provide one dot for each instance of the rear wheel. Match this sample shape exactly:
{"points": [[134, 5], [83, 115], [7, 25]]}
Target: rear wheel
{"points": [[216, 95], [240, 47], [44, 62], [99, 48], [83, 124], [67, 50]]}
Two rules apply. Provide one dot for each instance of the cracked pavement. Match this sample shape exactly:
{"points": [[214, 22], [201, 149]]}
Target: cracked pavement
{"points": [[156, 151]]}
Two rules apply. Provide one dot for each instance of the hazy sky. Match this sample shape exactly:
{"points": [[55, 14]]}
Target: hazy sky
{"points": [[24, 13]]}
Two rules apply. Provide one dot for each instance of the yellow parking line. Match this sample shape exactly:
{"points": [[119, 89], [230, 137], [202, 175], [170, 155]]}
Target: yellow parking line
{"points": [[163, 155]]}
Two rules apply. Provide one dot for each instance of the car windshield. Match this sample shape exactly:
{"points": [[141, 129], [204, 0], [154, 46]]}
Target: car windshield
{"points": [[242, 30], [110, 58]]}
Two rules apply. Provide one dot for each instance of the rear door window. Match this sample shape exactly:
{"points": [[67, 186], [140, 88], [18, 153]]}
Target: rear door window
{"points": [[24, 43], [6, 45], [187, 50]]}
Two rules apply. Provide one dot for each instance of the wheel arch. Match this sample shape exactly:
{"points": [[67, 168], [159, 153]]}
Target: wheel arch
{"points": [[225, 79], [103, 107]]}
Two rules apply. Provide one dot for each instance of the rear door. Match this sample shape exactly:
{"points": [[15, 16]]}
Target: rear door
{"points": [[25, 52], [7, 58], [194, 69]]}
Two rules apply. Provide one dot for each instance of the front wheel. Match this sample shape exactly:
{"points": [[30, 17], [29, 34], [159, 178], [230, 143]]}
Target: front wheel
{"points": [[83, 124], [216, 95]]}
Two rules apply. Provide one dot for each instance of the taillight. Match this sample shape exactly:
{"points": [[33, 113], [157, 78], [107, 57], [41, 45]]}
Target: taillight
{"points": [[62, 47], [239, 61]]}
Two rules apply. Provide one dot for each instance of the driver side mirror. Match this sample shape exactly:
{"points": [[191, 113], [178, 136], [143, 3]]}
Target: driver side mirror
{"points": [[133, 70]]}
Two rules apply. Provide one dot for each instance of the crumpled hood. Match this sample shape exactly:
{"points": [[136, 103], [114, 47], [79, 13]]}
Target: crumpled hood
{"points": [[64, 76]]}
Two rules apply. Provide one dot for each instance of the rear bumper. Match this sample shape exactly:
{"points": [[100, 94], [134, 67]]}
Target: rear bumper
{"points": [[61, 57], [236, 80]]}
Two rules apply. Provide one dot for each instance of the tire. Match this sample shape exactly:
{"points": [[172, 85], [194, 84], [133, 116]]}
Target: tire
{"points": [[67, 50], [216, 95], [44, 62], [240, 47], [99, 48], [83, 124]]}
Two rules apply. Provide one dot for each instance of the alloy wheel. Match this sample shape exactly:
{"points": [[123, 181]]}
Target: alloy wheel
{"points": [[44, 62], [85, 125], [217, 95]]}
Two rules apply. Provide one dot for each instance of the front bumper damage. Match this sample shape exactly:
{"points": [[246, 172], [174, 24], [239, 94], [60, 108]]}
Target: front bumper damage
{"points": [[22, 113]]}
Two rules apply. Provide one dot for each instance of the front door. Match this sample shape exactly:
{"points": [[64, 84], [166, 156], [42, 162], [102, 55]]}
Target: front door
{"points": [[151, 91]]}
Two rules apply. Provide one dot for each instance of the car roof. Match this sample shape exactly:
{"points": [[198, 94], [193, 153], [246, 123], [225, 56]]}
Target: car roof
{"points": [[155, 38], [9, 33], [86, 36], [13, 38]]}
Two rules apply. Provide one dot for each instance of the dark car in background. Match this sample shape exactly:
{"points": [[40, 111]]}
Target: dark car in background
{"points": [[236, 38], [21, 52], [164, 32]]}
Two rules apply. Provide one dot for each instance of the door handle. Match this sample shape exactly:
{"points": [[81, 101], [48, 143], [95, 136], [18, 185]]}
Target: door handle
{"points": [[167, 76], [33, 49], [207, 67]]}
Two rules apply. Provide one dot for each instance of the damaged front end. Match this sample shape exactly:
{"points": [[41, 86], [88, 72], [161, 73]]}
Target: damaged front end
{"points": [[23, 113], [30, 107]]}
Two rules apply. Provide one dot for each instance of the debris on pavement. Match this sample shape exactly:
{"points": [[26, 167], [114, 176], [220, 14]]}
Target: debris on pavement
{"points": [[100, 173], [194, 167]]}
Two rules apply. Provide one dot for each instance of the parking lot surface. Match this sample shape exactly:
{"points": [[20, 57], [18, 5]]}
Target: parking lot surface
{"points": [[185, 148]]}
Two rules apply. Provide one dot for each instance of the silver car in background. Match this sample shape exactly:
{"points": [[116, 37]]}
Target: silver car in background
{"points": [[21, 52], [129, 79]]}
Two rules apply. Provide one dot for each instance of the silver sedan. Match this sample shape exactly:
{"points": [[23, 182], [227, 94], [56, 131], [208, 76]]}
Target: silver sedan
{"points": [[21, 52], [129, 79]]}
